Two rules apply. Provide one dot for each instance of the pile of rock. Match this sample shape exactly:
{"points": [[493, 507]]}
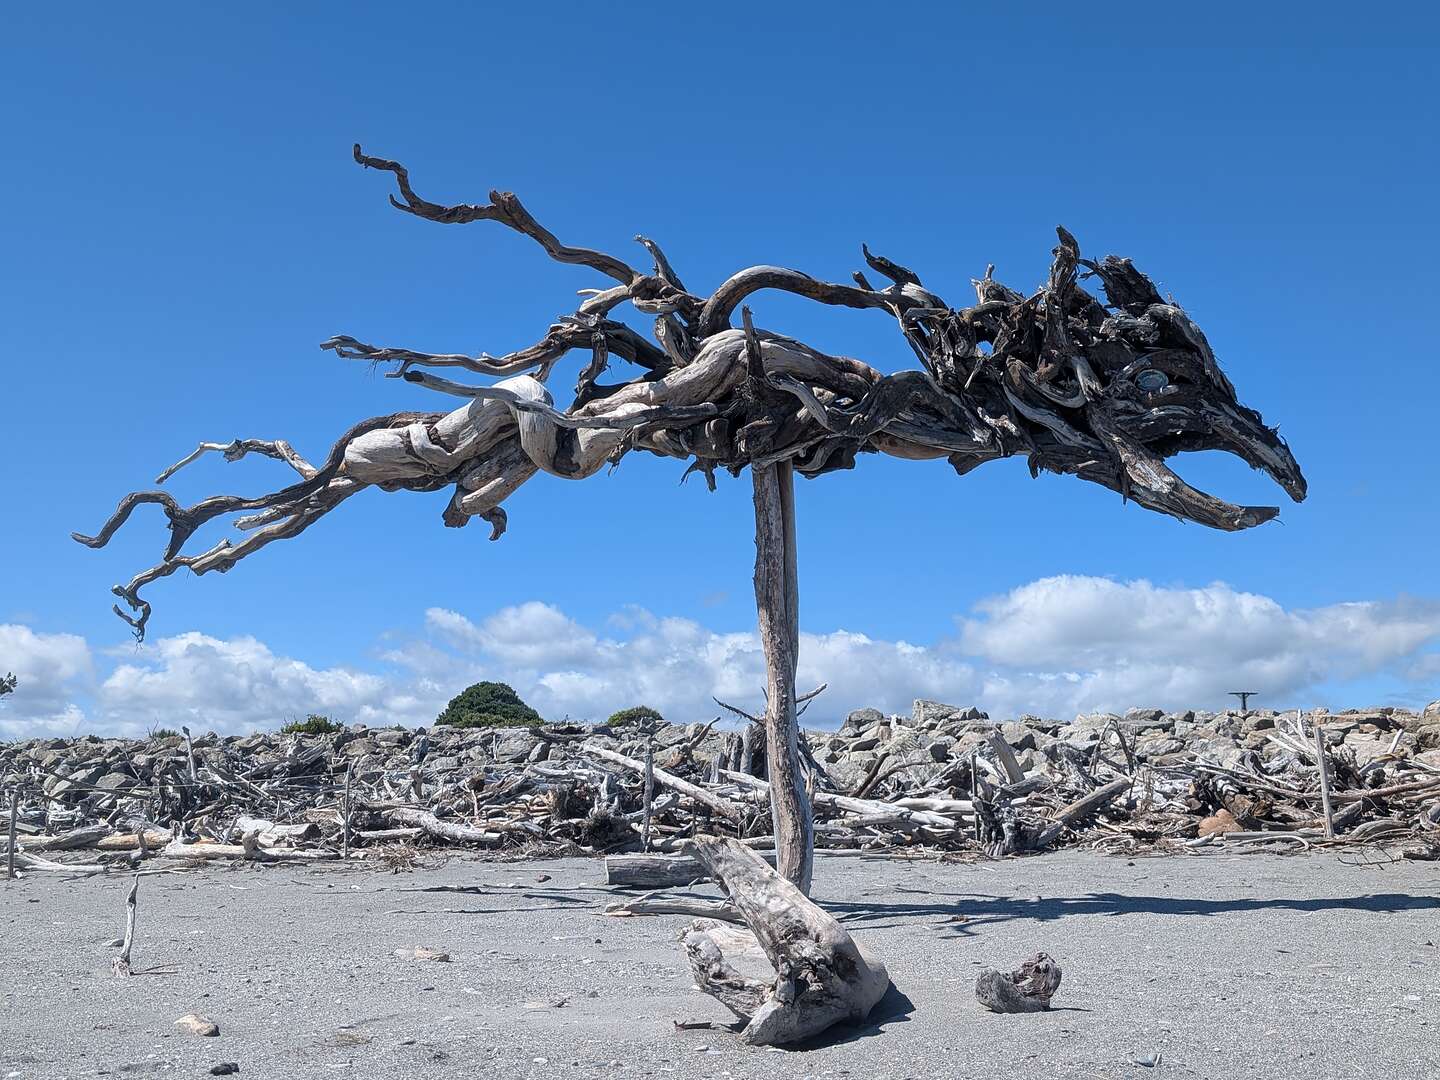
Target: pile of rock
{"points": [[943, 777]]}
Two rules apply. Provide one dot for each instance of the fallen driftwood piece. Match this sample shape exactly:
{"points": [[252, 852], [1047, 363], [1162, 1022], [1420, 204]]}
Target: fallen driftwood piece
{"points": [[153, 838], [26, 861], [658, 871], [693, 906], [817, 975], [862, 807], [269, 832], [371, 836], [14, 812], [1027, 989], [248, 848], [1014, 774], [728, 807], [83, 837], [444, 830], [1081, 807]]}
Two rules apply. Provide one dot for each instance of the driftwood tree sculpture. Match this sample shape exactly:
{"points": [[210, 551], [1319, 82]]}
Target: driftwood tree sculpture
{"points": [[1105, 391]]}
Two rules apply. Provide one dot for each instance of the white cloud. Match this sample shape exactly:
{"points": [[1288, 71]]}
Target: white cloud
{"points": [[236, 685], [49, 670], [1125, 643], [1056, 646]]}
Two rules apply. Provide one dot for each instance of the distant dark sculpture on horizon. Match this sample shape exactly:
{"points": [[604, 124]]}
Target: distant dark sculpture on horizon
{"points": [[1105, 391]]}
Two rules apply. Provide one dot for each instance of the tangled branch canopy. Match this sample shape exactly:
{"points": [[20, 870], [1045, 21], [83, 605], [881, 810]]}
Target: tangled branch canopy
{"points": [[1103, 390]]}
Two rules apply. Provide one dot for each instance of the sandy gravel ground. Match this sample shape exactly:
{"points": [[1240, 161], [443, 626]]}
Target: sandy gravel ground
{"points": [[1214, 966]]}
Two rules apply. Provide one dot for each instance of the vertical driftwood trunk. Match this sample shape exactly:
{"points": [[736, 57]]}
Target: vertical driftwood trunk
{"points": [[10, 848], [649, 793], [777, 601], [1322, 762]]}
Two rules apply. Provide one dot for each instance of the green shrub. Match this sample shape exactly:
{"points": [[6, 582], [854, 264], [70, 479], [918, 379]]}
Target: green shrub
{"points": [[314, 724], [636, 714], [162, 733], [488, 704]]}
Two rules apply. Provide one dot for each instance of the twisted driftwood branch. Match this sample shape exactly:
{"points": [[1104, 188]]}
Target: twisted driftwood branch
{"points": [[1101, 390]]}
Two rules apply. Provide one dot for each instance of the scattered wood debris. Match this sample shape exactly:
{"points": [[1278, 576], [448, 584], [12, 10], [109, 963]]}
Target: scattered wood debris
{"points": [[943, 780]]}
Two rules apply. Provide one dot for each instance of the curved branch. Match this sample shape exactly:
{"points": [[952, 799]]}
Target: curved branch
{"points": [[278, 449], [715, 316], [571, 332], [503, 207]]}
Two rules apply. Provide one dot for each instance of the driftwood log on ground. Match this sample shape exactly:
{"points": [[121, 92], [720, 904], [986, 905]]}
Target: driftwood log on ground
{"points": [[658, 871], [818, 976]]}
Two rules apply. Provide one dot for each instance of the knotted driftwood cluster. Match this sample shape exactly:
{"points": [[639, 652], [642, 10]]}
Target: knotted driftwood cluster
{"points": [[1102, 390]]}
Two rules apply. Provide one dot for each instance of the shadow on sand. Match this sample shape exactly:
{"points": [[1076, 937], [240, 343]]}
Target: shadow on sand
{"points": [[973, 910], [894, 1008]]}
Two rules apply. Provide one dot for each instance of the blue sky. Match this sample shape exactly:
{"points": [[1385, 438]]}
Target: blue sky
{"points": [[184, 225]]}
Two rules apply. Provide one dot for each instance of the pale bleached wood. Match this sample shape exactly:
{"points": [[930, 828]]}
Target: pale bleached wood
{"points": [[776, 601], [818, 975], [248, 848], [694, 907], [659, 871], [649, 793], [1322, 763], [1014, 774], [10, 849], [345, 816], [863, 807], [718, 803], [120, 964], [25, 861], [452, 831]]}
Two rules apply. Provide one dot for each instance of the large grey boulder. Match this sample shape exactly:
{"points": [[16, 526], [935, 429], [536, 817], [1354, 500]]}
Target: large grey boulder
{"points": [[860, 719], [931, 714], [515, 744]]}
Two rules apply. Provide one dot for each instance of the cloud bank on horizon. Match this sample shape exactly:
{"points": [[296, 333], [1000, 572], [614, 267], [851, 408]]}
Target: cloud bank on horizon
{"points": [[1057, 646]]}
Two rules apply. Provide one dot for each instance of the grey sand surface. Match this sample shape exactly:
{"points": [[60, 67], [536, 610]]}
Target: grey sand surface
{"points": [[1221, 966]]}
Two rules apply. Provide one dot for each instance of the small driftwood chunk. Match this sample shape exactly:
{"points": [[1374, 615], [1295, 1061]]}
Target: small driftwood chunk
{"points": [[196, 1024], [1027, 989], [796, 971]]}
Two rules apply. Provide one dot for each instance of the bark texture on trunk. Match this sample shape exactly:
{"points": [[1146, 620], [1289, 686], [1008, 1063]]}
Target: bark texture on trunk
{"points": [[777, 602]]}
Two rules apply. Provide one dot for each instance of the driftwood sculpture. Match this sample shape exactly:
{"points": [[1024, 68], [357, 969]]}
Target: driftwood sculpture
{"points": [[795, 971], [1105, 391]]}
